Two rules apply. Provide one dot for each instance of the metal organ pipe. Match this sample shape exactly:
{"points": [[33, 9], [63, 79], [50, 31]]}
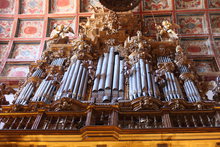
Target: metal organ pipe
{"points": [[69, 75], [138, 79], [143, 77], [28, 89], [189, 87], [149, 80], [78, 79], [109, 76], [172, 88], [134, 82], [98, 73], [103, 72], [73, 82], [73, 78], [130, 88], [121, 79], [46, 88], [81, 86], [116, 77], [109, 82], [85, 85], [142, 82]]}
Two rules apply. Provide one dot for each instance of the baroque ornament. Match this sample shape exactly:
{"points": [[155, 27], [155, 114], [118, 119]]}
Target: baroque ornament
{"points": [[113, 61]]}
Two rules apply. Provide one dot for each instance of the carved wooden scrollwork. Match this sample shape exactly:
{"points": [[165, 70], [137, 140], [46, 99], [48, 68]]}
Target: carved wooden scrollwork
{"points": [[67, 104], [5, 90], [146, 103]]}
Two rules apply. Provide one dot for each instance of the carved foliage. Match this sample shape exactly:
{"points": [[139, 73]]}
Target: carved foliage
{"points": [[146, 103], [67, 104]]}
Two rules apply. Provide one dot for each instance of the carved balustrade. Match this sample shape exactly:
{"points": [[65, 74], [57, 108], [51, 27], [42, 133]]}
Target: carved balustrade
{"points": [[110, 116]]}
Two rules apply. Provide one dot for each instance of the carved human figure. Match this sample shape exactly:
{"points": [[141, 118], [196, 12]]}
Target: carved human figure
{"points": [[166, 31]]}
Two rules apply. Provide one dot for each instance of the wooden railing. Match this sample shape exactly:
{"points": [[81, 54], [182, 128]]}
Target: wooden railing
{"points": [[123, 120]]}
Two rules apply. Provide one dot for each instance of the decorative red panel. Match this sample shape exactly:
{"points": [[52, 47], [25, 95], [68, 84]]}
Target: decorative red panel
{"points": [[150, 23], [157, 5], [25, 51], [3, 49], [214, 3], [217, 46], [5, 28], [32, 6], [205, 66], [30, 29], [7, 6], [15, 70], [197, 46], [63, 6], [192, 24], [65, 21], [189, 4], [215, 23]]}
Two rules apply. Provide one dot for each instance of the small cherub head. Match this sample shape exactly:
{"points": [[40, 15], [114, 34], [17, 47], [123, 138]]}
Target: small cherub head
{"points": [[179, 49], [60, 27], [166, 24]]}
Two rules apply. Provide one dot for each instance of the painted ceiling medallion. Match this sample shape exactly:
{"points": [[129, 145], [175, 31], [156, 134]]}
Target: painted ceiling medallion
{"points": [[120, 5]]}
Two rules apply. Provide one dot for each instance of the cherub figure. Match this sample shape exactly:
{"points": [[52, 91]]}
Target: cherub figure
{"points": [[59, 34], [166, 31], [181, 58]]}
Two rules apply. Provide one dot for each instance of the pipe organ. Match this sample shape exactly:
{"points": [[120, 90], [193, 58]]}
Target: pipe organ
{"points": [[110, 82]]}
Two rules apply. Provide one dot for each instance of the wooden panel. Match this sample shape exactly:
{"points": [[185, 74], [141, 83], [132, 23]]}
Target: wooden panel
{"points": [[7, 6], [62, 6], [5, 28], [192, 24], [189, 4], [15, 70], [3, 49], [30, 29], [207, 65], [197, 46], [214, 4], [32, 6], [157, 5], [215, 23], [25, 51]]}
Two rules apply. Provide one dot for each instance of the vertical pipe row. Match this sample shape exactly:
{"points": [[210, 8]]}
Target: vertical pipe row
{"points": [[28, 89], [73, 82], [172, 88], [191, 90], [45, 89], [109, 81], [142, 82]]}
